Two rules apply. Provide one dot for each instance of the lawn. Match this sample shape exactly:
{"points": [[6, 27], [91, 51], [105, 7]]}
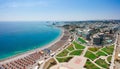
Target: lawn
{"points": [[109, 59], [100, 53], [108, 49], [102, 63], [70, 48], [63, 53], [78, 46], [65, 59], [76, 52], [82, 40], [94, 49], [90, 65], [90, 55]]}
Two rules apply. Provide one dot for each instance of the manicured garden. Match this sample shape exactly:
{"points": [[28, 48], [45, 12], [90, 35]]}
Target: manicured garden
{"points": [[97, 52], [90, 65], [76, 52], [70, 48], [102, 63], [63, 53], [78, 46], [100, 53], [94, 49], [90, 55], [93, 55], [109, 59], [108, 49], [64, 59], [82, 40], [74, 49]]}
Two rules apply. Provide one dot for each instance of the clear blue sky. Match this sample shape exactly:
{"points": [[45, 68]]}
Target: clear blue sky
{"points": [[42, 10]]}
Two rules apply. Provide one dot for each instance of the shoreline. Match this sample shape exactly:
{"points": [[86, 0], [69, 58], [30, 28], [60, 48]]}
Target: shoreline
{"points": [[21, 55]]}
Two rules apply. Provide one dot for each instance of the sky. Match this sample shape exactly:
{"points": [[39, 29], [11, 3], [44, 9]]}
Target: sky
{"points": [[59, 10]]}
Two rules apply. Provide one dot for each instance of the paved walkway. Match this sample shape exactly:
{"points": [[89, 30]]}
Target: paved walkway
{"points": [[117, 64], [84, 51], [113, 56]]}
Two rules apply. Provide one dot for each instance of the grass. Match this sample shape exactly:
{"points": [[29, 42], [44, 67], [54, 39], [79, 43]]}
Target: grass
{"points": [[100, 53], [90, 65], [94, 49], [70, 48], [82, 40], [90, 55], [78, 46], [63, 53], [102, 63], [108, 49], [109, 59], [65, 59], [76, 52]]}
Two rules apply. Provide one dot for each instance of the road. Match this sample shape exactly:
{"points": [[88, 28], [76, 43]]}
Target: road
{"points": [[117, 64]]}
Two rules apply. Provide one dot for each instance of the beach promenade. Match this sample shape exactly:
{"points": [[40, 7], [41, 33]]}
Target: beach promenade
{"points": [[28, 59]]}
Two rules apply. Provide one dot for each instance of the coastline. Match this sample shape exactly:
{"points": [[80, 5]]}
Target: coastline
{"points": [[21, 55]]}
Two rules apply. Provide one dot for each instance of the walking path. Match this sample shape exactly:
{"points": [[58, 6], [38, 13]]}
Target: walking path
{"points": [[113, 56], [84, 51], [117, 64]]}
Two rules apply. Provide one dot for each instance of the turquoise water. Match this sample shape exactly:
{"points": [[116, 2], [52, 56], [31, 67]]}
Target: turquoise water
{"points": [[19, 37]]}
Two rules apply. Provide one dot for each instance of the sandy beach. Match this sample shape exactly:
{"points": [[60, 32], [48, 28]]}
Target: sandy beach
{"points": [[32, 51]]}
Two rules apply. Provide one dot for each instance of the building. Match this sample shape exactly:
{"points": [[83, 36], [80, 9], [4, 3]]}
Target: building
{"points": [[101, 35], [84, 33], [96, 39], [79, 32]]}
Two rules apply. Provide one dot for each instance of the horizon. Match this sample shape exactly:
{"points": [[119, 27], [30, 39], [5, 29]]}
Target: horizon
{"points": [[59, 10], [65, 20]]}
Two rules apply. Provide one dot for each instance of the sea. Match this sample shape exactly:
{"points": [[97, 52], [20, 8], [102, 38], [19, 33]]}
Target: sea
{"points": [[20, 37]]}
